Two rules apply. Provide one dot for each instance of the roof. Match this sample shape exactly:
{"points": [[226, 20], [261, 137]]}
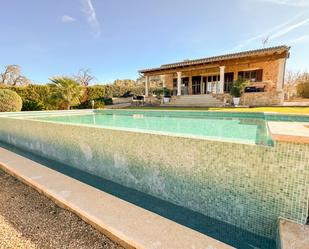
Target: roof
{"points": [[262, 51]]}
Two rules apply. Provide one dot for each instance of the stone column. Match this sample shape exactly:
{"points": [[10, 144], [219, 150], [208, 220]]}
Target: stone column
{"points": [[190, 84], [222, 69], [178, 83], [281, 72], [146, 85]]}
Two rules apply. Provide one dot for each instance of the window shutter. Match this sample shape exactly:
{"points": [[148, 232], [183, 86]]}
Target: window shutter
{"points": [[259, 75]]}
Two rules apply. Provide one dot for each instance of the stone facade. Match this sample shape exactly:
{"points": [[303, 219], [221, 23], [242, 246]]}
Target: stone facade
{"points": [[269, 66], [262, 99]]}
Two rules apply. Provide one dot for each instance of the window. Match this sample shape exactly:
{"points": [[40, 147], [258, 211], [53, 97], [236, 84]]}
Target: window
{"points": [[175, 83], [185, 81], [253, 75]]}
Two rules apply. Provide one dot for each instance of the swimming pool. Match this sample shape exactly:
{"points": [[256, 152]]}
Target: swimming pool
{"points": [[233, 129], [230, 182]]}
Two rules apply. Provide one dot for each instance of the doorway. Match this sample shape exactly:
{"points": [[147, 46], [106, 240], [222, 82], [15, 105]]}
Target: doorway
{"points": [[196, 85], [211, 84]]}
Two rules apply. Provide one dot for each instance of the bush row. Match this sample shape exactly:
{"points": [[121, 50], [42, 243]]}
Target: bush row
{"points": [[37, 97]]}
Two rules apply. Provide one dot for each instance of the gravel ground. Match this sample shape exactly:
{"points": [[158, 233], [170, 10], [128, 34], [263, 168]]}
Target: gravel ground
{"points": [[30, 220]]}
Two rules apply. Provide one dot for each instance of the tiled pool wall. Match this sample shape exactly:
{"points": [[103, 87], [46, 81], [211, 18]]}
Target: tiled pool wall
{"points": [[248, 186]]}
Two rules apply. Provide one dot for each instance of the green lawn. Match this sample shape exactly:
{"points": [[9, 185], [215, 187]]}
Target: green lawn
{"points": [[290, 110]]}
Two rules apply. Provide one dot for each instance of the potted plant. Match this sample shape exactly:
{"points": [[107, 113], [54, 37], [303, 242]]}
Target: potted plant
{"points": [[166, 95], [237, 89]]}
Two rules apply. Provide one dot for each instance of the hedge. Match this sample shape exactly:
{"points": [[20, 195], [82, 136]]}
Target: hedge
{"points": [[37, 97]]}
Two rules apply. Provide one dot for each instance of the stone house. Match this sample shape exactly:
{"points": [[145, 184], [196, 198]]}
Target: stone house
{"points": [[211, 77]]}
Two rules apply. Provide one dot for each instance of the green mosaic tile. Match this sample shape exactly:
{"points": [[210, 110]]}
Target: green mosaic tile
{"points": [[247, 186]]}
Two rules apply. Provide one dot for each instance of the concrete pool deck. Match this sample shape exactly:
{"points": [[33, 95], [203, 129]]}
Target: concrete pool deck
{"points": [[123, 222]]}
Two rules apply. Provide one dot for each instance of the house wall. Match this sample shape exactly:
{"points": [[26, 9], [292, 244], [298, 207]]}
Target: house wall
{"points": [[270, 71], [271, 74], [262, 98]]}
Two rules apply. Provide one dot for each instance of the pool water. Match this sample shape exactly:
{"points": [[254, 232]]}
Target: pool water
{"points": [[227, 129]]}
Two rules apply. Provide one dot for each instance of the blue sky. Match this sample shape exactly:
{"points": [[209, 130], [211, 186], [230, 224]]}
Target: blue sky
{"points": [[115, 38]]}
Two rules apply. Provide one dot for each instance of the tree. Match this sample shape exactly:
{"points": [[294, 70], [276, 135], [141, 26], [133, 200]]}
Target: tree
{"points": [[295, 84], [303, 85], [83, 77], [12, 76], [66, 91], [125, 83], [154, 81]]}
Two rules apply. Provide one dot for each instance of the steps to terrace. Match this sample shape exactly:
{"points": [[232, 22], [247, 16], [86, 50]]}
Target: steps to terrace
{"points": [[206, 100]]}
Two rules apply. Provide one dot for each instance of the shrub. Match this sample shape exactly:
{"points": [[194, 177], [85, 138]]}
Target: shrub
{"points": [[107, 101], [98, 103], [303, 89], [158, 92], [10, 101], [127, 94], [95, 92], [167, 92], [32, 105]]}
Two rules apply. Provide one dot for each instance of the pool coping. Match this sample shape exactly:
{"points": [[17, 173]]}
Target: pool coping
{"points": [[292, 132], [121, 221], [292, 235]]}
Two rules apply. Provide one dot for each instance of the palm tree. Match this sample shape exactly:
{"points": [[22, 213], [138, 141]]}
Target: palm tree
{"points": [[66, 91]]}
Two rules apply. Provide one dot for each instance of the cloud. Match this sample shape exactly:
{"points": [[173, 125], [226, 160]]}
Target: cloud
{"points": [[67, 18], [296, 3], [288, 29], [90, 13], [278, 29], [301, 39]]}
